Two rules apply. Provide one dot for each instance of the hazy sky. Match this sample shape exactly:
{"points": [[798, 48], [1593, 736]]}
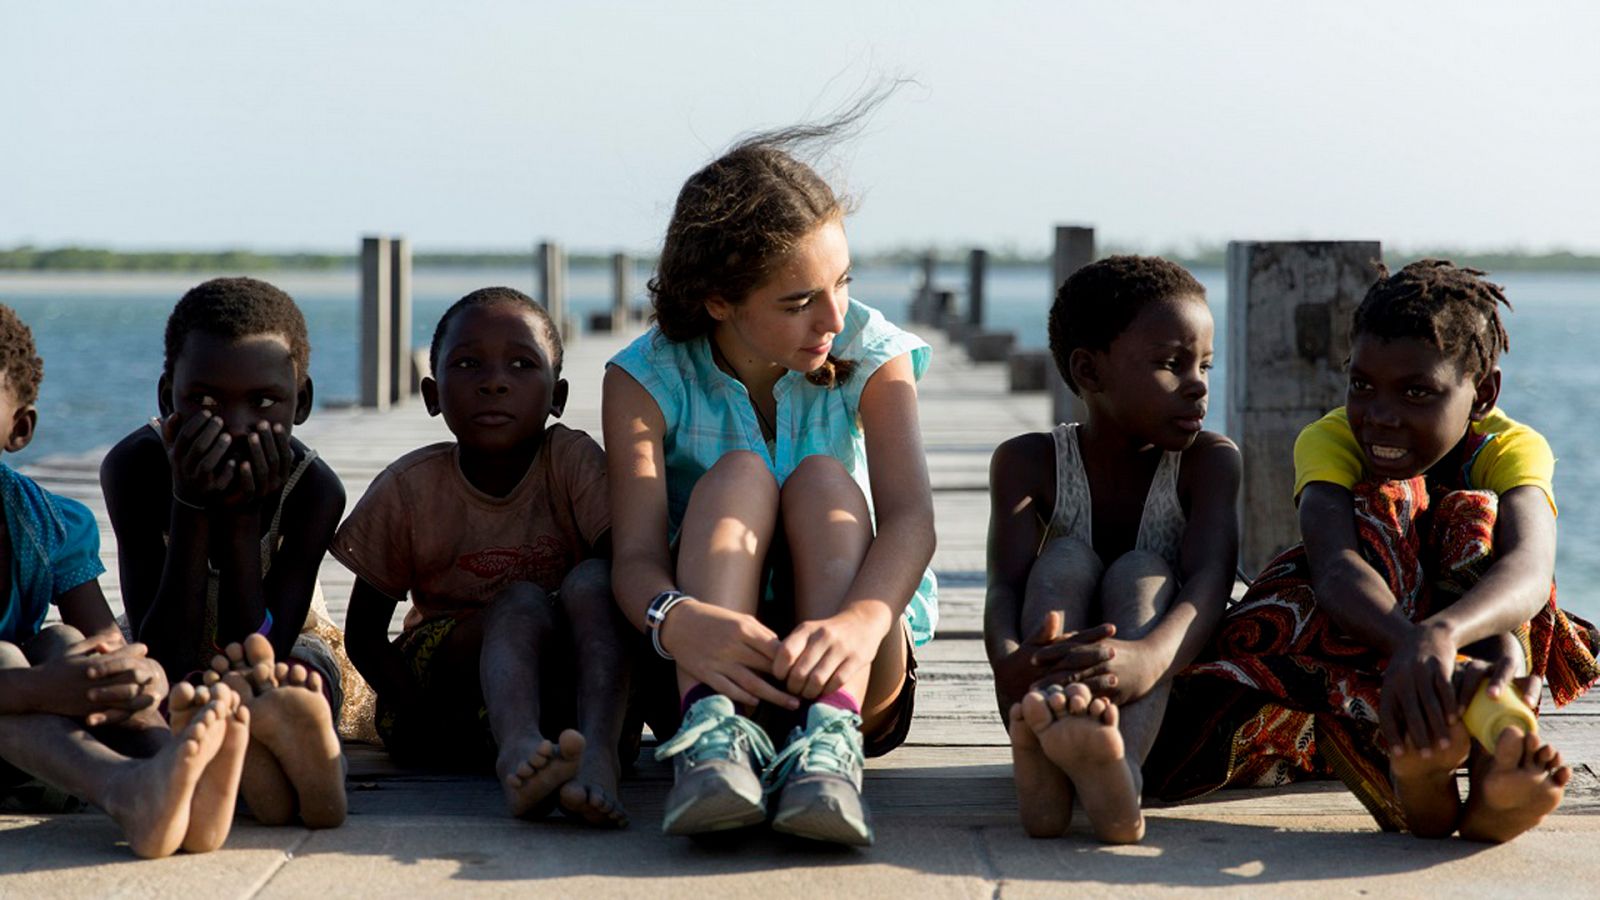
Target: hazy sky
{"points": [[285, 125]]}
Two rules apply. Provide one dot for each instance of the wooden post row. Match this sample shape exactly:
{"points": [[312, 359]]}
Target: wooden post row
{"points": [[1074, 249]]}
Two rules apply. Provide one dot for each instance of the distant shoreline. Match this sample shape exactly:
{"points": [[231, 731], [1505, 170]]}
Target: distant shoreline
{"points": [[92, 259]]}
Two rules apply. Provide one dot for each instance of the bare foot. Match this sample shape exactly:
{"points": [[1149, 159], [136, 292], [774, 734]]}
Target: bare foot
{"points": [[211, 809], [150, 798], [1078, 732], [292, 720], [1515, 789], [249, 667], [1425, 783], [1044, 792], [532, 769], [592, 794]]}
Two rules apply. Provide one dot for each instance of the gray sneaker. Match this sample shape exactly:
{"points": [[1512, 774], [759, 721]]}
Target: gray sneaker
{"points": [[819, 775], [715, 757]]}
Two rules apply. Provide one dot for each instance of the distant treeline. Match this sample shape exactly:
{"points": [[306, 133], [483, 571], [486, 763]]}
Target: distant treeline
{"points": [[95, 259]]}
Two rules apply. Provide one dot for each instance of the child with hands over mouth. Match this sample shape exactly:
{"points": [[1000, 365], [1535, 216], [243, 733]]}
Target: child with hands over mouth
{"points": [[222, 519]]}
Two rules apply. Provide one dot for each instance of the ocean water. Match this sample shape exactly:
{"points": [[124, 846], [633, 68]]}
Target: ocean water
{"points": [[101, 339]]}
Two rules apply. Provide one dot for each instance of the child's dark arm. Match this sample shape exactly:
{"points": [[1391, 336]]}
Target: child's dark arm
{"points": [[310, 516], [366, 637], [163, 581], [1021, 491], [1207, 558], [1417, 700]]}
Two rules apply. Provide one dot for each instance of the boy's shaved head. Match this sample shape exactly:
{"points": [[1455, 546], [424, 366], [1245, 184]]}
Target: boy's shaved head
{"points": [[1100, 300], [234, 308], [19, 359], [491, 296]]}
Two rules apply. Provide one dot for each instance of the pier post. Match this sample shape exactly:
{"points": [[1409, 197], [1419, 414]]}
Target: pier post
{"points": [[621, 292], [1289, 308], [377, 326], [922, 305], [1074, 249], [553, 284], [977, 266], [399, 320]]}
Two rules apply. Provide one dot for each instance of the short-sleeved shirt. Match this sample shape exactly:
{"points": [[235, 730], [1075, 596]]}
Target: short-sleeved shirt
{"points": [[423, 532], [708, 414], [55, 547], [1501, 454]]}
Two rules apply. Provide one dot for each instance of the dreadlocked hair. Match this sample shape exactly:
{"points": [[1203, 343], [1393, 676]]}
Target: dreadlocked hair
{"points": [[738, 219], [19, 359], [1434, 300]]}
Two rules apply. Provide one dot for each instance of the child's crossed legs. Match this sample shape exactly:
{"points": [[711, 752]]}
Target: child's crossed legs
{"points": [[1064, 739]]}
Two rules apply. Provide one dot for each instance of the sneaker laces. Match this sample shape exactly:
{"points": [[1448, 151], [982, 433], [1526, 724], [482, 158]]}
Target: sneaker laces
{"points": [[833, 747], [710, 733]]}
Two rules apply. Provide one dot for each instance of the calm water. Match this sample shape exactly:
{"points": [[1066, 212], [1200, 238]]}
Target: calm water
{"points": [[101, 339]]}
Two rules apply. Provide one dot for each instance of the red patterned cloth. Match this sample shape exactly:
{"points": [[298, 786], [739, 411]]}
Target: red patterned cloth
{"points": [[1283, 695]]}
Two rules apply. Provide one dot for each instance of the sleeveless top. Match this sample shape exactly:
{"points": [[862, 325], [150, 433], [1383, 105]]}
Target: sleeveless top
{"points": [[1160, 524]]}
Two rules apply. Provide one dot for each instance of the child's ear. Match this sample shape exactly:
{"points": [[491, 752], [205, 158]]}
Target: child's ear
{"points": [[22, 425], [718, 308], [1085, 370], [302, 402], [430, 394], [164, 396], [1486, 395], [558, 398]]}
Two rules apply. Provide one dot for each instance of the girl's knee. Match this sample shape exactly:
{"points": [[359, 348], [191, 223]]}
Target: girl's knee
{"points": [[1138, 564], [1137, 587], [587, 587], [823, 478]]}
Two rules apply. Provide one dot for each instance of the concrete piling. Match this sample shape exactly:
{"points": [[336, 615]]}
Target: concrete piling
{"points": [[1074, 249], [1289, 309], [400, 378], [377, 322]]}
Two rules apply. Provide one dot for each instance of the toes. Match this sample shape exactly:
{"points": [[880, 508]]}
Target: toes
{"points": [[235, 654], [182, 696], [1078, 699], [313, 682], [1035, 711], [571, 744], [278, 672], [257, 649]]}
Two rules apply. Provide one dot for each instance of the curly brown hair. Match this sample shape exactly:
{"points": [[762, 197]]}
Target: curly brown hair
{"points": [[1100, 300], [737, 219], [1434, 300], [19, 359]]}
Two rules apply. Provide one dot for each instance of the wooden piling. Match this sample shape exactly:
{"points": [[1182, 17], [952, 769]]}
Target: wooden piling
{"points": [[1289, 309], [1074, 249], [977, 267], [553, 283], [400, 379], [377, 323], [621, 291]]}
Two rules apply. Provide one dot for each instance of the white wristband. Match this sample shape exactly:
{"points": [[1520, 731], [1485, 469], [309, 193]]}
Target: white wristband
{"points": [[656, 616]]}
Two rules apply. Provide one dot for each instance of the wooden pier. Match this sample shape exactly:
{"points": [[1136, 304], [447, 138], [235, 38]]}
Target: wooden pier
{"points": [[944, 803]]}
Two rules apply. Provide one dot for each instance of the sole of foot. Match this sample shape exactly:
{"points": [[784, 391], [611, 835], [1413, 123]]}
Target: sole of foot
{"points": [[216, 794], [1078, 732], [1044, 792], [592, 795], [532, 770], [293, 721], [1523, 782], [151, 798], [1425, 783]]}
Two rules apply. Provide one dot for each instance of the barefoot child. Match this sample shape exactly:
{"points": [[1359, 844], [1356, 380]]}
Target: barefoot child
{"points": [[80, 713], [1428, 521], [770, 493], [222, 520], [1111, 544], [500, 541]]}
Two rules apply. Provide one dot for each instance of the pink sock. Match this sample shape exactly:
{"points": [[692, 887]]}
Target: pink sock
{"points": [[694, 695], [840, 700]]}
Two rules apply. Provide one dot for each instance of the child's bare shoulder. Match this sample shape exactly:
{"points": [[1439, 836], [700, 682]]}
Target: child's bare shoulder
{"points": [[137, 463], [1026, 461], [1213, 460]]}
